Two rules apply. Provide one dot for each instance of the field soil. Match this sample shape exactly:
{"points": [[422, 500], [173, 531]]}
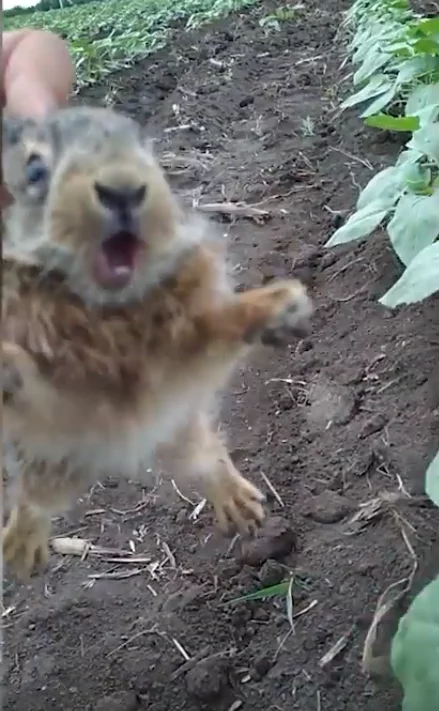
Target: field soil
{"points": [[337, 430]]}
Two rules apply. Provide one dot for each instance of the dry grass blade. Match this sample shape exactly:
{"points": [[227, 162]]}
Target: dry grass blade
{"points": [[81, 547], [71, 546], [182, 650], [294, 616], [7, 611], [290, 604], [337, 648], [276, 495], [174, 163], [197, 510], [122, 560], [130, 640], [370, 663], [181, 495], [385, 502], [235, 209], [392, 595], [169, 555], [121, 575]]}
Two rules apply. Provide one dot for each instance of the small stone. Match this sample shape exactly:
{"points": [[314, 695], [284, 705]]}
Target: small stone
{"points": [[305, 345], [362, 464], [330, 403], [120, 701], [207, 679], [271, 573], [305, 263], [347, 411], [304, 274], [278, 672], [353, 375], [365, 567], [381, 451], [328, 259], [329, 507], [338, 220], [262, 666], [309, 256], [247, 100], [374, 424], [276, 540]]}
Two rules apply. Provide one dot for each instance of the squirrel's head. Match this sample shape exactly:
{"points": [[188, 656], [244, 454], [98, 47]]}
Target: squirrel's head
{"points": [[91, 200]]}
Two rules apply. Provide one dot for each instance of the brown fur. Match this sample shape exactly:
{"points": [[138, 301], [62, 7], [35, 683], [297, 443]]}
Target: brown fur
{"points": [[91, 378]]}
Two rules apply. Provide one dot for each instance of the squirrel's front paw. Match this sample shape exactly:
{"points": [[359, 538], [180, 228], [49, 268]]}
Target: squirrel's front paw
{"points": [[292, 309], [236, 501], [26, 542]]}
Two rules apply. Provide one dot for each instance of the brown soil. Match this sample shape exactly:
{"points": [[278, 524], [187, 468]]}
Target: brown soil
{"points": [[252, 116]]}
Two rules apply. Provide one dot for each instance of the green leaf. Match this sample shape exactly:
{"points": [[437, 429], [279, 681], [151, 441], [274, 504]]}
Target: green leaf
{"points": [[416, 68], [361, 224], [381, 101], [419, 281], [426, 140], [385, 187], [429, 26], [428, 115], [418, 180], [393, 123], [414, 226], [272, 591], [427, 46], [422, 96], [432, 480], [378, 85], [374, 61], [415, 651], [408, 157]]}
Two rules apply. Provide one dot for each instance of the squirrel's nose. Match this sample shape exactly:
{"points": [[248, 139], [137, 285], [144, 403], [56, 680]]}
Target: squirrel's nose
{"points": [[120, 199]]}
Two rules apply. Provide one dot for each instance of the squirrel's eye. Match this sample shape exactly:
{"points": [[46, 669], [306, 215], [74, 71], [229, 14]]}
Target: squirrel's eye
{"points": [[36, 169]]}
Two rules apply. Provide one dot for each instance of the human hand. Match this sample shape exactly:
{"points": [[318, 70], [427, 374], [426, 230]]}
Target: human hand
{"points": [[37, 74]]}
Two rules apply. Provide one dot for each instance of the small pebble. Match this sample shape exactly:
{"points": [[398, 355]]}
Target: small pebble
{"points": [[276, 540], [207, 679], [271, 573], [329, 258], [362, 464], [329, 507], [374, 424], [120, 701], [262, 666]]}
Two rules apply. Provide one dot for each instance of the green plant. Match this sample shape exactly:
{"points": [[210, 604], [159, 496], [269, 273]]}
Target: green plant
{"points": [[415, 647], [279, 590], [398, 57], [282, 14], [107, 36]]}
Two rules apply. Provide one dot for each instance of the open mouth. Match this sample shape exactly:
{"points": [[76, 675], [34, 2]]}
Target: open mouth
{"points": [[116, 260]]}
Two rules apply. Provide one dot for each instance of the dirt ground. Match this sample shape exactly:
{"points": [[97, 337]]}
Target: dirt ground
{"points": [[249, 115]]}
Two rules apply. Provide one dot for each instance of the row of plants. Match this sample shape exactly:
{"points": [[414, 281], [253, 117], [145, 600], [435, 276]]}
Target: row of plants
{"points": [[395, 53], [106, 36]]}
